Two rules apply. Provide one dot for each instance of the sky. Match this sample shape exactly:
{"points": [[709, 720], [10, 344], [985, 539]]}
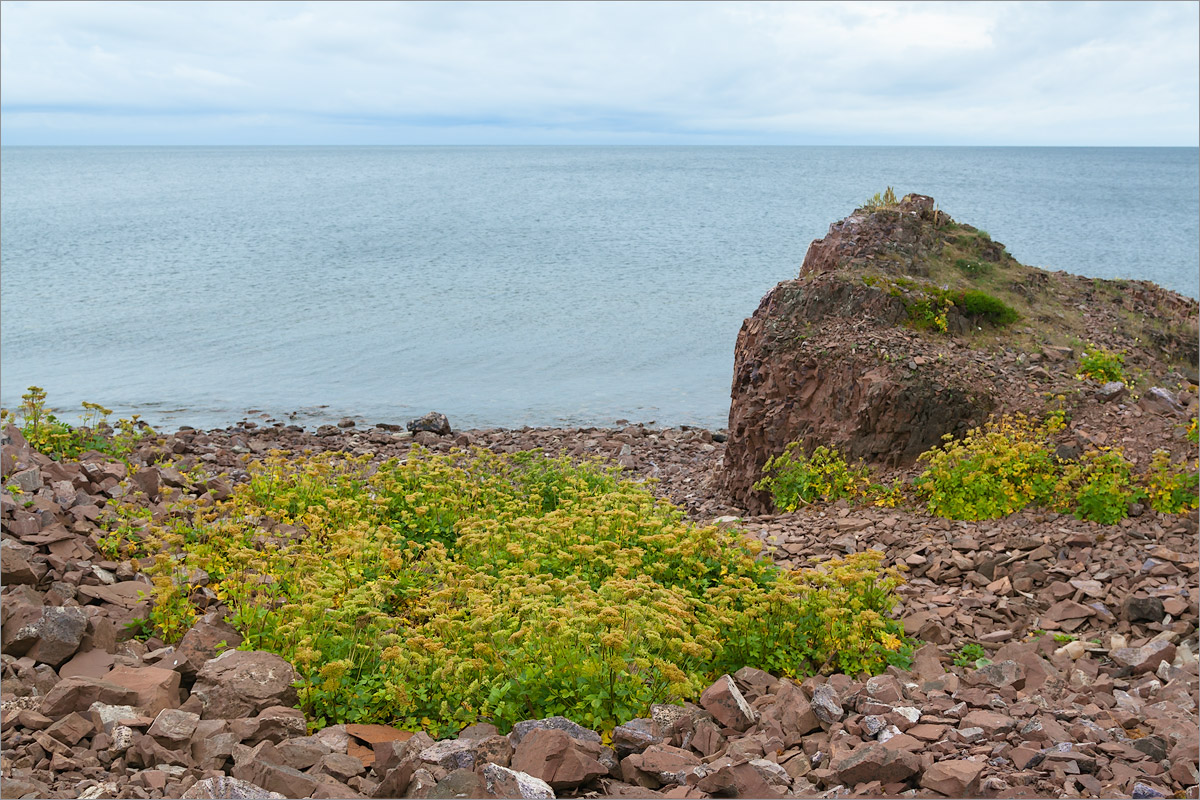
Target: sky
{"points": [[222, 73]]}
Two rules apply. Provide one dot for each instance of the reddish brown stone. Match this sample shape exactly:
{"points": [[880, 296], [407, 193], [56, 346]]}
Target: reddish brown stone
{"points": [[156, 688], [559, 760], [725, 702], [955, 778]]}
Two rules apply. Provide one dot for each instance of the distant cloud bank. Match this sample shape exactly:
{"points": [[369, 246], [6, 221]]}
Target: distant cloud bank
{"points": [[1005, 73]]}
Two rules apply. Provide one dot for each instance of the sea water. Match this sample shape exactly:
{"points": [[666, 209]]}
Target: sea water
{"points": [[504, 286]]}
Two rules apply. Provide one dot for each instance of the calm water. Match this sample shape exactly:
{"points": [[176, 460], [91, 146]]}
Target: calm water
{"points": [[503, 286]]}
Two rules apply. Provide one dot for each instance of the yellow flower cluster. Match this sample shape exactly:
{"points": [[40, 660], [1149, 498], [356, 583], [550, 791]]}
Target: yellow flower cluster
{"points": [[443, 590]]}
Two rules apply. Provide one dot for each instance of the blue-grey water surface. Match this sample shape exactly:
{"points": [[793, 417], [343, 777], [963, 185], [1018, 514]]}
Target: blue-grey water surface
{"points": [[502, 285]]}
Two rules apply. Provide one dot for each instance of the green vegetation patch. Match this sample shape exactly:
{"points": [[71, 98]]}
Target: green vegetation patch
{"points": [[1101, 365], [1008, 464], [55, 438], [445, 590]]}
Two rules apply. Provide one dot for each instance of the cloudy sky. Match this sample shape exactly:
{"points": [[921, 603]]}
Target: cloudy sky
{"points": [[1006, 73]]}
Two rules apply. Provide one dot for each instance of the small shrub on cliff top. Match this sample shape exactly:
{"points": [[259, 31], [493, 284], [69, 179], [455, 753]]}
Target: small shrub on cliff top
{"points": [[885, 200], [981, 305], [794, 479], [446, 590], [1101, 365]]}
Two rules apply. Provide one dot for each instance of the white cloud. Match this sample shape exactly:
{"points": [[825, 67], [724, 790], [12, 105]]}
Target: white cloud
{"points": [[986, 73]]}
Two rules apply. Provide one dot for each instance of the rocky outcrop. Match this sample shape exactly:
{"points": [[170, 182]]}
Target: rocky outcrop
{"points": [[888, 340]]}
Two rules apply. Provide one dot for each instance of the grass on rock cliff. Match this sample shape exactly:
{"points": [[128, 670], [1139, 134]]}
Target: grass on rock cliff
{"points": [[443, 590]]}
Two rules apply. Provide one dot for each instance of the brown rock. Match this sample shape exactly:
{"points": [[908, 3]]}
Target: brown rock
{"points": [[559, 760], [200, 643], [78, 694], [954, 778], [274, 724], [72, 728], [173, 727], [507, 783], [240, 683], [989, 721], [635, 736], [659, 765], [340, 766], [874, 762], [1145, 658], [725, 702], [156, 688]]}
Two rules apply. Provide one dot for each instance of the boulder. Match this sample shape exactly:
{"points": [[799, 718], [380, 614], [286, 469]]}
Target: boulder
{"points": [[956, 778], [433, 422], [575, 731], [1145, 658], [47, 634], [200, 643], [509, 783], [78, 694], [725, 701], [156, 688], [660, 765], [558, 759], [240, 683], [877, 762]]}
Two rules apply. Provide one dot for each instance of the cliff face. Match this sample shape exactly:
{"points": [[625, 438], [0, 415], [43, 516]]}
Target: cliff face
{"points": [[904, 326]]}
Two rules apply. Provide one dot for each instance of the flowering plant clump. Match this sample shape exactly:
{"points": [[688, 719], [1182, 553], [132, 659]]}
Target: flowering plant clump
{"points": [[1099, 487], [794, 479], [1008, 464], [1101, 365], [50, 435], [1170, 489], [444, 590], [993, 471]]}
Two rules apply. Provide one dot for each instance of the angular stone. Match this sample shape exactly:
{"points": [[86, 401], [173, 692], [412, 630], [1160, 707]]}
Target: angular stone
{"points": [[956, 778], [1144, 659], [460, 783], [156, 688], [989, 722], [72, 728], [659, 765], [875, 762], [14, 566], [451, 754], [240, 683], [340, 766], [1143, 609], [509, 783], [200, 643], [495, 750], [558, 759], [573, 730], [59, 632], [755, 683], [174, 726], [274, 724], [305, 751], [635, 736], [433, 422], [1001, 674], [261, 768], [725, 702], [226, 788], [78, 694], [826, 705]]}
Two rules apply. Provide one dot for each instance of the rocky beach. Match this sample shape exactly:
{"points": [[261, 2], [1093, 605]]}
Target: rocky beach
{"points": [[1053, 656]]}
